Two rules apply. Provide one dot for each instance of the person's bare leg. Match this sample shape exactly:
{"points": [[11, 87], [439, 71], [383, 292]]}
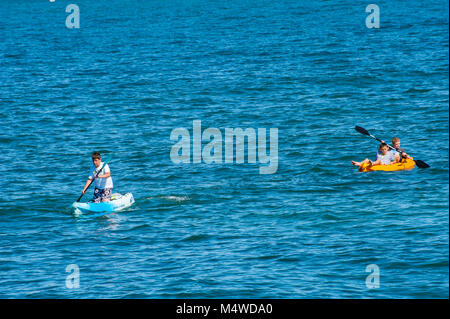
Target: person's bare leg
{"points": [[360, 163]]}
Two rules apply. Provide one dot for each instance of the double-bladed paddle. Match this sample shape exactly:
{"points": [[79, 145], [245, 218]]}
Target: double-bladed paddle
{"points": [[419, 163]]}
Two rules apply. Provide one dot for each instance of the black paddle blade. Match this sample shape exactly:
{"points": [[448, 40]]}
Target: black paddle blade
{"points": [[362, 130], [421, 164]]}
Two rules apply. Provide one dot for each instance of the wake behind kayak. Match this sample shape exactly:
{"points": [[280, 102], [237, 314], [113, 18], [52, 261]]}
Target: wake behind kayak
{"points": [[117, 203]]}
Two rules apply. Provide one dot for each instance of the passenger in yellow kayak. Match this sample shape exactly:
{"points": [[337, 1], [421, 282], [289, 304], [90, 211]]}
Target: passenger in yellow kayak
{"points": [[103, 182], [400, 152], [384, 157]]}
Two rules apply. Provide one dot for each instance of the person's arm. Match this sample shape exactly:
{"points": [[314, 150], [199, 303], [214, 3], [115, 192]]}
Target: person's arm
{"points": [[377, 162], [86, 185], [402, 154], [90, 178], [106, 175], [107, 172]]}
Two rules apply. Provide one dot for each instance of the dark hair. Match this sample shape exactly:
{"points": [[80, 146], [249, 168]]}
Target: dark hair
{"points": [[96, 155], [382, 145]]}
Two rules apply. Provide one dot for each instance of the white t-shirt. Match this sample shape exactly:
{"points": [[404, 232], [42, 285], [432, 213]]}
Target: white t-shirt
{"points": [[386, 159], [101, 183]]}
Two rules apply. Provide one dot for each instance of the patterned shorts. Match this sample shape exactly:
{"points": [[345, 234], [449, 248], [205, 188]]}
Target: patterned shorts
{"points": [[101, 194]]}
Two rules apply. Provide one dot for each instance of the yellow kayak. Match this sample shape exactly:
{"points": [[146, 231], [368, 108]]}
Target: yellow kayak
{"points": [[403, 165]]}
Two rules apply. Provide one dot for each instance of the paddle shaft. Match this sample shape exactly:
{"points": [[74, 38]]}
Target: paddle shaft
{"points": [[391, 147]]}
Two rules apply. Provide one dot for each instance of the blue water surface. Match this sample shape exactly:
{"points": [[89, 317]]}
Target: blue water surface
{"points": [[136, 70]]}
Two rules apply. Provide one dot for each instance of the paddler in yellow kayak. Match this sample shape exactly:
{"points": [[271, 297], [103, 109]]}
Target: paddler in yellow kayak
{"points": [[399, 151], [384, 157]]}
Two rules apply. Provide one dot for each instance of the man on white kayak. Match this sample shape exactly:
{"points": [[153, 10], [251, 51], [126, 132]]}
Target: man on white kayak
{"points": [[103, 181]]}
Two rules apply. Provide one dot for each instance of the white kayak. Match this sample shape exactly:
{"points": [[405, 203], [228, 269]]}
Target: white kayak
{"points": [[118, 202]]}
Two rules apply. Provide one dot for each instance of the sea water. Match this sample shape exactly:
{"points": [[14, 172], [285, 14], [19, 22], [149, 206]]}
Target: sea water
{"points": [[135, 70]]}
